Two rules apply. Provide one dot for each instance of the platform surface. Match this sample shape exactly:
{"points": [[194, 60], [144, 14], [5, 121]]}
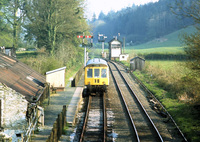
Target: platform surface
{"points": [[73, 106], [70, 97]]}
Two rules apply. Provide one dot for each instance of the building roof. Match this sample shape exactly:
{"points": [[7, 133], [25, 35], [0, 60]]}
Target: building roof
{"points": [[114, 39], [56, 70], [21, 78], [137, 58]]}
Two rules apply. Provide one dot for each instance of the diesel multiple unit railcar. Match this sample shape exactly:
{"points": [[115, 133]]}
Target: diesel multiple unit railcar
{"points": [[96, 76]]}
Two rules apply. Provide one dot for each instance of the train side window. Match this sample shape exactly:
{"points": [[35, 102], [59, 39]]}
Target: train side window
{"points": [[103, 73], [96, 73], [89, 73]]}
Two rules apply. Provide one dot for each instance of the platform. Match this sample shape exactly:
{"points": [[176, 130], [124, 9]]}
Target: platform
{"points": [[71, 97], [73, 107]]}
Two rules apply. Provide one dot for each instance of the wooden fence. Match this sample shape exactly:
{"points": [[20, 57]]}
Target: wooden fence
{"points": [[77, 77], [45, 94], [58, 127], [34, 115]]}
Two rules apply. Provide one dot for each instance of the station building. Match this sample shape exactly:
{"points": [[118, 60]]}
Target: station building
{"points": [[22, 90], [115, 49]]}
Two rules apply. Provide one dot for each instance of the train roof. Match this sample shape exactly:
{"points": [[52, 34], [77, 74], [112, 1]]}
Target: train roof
{"points": [[96, 61]]}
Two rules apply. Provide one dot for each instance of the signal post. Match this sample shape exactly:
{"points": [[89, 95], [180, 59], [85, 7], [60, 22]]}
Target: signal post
{"points": [[83, 45], [102, 38]]}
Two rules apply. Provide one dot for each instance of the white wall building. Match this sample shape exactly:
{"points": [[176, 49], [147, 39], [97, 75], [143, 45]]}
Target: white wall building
{"points": [[115, 49], [56, 78]]}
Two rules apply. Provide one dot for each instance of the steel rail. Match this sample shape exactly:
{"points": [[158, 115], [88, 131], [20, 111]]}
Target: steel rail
{"points": [[104, 119], [150, 93], [126, 106], [168, 114], [140, 104], [86, 119], [144, 110]]}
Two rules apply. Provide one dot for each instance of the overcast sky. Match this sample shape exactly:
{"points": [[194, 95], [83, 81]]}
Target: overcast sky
{"points": [[96, 6]]}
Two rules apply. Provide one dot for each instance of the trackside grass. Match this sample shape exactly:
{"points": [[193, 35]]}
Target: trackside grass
{"points": [[164, 80]]}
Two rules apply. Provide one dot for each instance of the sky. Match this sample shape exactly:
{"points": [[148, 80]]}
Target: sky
{"points": [[96, 6]]}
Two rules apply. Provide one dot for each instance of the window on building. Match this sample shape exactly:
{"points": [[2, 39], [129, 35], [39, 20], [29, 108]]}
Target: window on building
{"points": [[89, 73], [115, 45], [96, 73], [103, 73]]}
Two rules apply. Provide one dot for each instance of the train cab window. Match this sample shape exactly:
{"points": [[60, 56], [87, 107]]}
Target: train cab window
{"points": [[96, 73], [89, 73], [103, 73]]}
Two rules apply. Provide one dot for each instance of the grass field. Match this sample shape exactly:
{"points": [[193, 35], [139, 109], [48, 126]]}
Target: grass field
{"points": [[172, 67], [164, 79], [158, 50]]}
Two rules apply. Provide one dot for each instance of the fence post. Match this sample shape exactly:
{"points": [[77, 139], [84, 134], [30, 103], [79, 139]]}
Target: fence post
{"points": [[55, 131], [64, 116], [59, 125], [48, 139]]}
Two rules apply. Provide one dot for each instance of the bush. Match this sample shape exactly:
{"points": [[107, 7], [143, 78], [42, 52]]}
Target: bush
{"points": [[44, 62]]}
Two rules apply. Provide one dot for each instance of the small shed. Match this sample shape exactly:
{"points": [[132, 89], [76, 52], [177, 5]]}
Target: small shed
{"points": [[56, 78], [115, 49], [137, 63], [123, 57]]}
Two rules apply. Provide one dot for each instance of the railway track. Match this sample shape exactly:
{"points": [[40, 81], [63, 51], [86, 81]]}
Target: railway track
{"points": [[171, 131], [95, 126], [141, 124], [127, 119]]}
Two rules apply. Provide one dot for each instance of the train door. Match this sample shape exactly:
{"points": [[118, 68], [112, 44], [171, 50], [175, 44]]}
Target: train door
{"points": [[96, 76]]}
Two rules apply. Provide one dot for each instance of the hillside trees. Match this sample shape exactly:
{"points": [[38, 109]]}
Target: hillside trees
{"points": [[52, 22], [143, 23]]}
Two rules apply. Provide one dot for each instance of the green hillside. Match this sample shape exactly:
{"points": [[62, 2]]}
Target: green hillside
{"points": [[170, 43]]}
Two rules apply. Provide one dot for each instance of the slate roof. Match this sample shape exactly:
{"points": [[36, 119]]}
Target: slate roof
{"points": [[21, 78]]}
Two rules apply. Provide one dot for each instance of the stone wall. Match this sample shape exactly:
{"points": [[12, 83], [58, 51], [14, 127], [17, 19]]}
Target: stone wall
{"points": [[13, 111]]}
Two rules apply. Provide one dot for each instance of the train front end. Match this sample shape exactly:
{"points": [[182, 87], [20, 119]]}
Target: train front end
{"points": [[96, 76]]}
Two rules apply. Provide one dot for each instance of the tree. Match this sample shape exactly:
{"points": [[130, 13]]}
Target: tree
{"points": [[5, 28], [94, 17], [101, 16], [51, 22], [13, 13]]}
